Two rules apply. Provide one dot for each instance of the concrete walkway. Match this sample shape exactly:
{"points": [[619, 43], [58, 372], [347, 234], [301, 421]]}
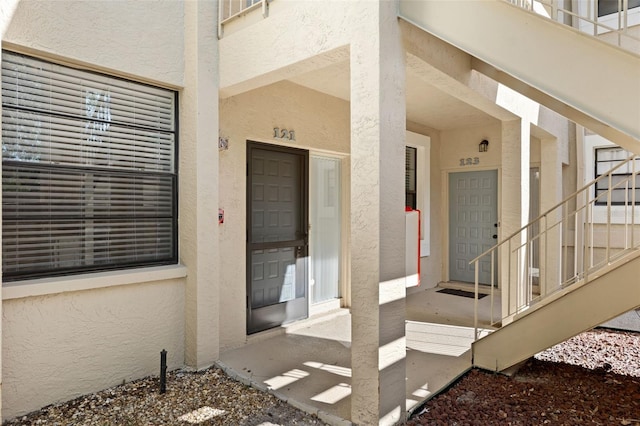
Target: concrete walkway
{"points": [[308, 363]]}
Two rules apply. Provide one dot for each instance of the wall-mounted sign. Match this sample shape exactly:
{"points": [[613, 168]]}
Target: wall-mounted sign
{"points": [[469, 161], [279, 133]]}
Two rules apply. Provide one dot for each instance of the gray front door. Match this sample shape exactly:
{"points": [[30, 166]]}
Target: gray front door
{"points": [[277, 242], [473, 221]]}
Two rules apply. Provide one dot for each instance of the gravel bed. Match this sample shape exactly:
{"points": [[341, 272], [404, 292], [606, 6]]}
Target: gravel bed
{"points": [[209, 397], [591, 379]]}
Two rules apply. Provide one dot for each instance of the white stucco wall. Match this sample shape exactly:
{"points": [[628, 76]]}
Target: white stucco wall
{"points": [[57, 347], [431, 266], [320, 122], [295, 37]]}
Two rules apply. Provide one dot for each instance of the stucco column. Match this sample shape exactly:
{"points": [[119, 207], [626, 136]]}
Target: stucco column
{"points": [[377, 217], [6, 12], [199, 183], [550, 244], [514, 207]]}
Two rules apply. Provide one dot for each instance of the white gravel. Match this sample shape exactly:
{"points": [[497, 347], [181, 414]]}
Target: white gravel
{"points": [[615, 351], [204, 398]]}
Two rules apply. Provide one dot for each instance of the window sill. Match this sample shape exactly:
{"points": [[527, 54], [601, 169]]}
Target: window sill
{"points": [[54, 285]]}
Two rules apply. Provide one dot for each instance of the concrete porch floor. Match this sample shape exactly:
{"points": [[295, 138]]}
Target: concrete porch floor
{"points": [[308, 363]]}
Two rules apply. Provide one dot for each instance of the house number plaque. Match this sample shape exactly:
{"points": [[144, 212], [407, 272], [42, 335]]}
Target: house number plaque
{"points": [[469, 161], [286, 134]]}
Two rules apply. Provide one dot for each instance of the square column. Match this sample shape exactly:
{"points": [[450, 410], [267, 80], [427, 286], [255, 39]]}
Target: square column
{"points": [[378, 123], [514, 212], [551, 243], [199, 184]]}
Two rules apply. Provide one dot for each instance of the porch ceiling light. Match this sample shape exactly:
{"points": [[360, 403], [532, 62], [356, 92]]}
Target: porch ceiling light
{"points": [[484, 146]]}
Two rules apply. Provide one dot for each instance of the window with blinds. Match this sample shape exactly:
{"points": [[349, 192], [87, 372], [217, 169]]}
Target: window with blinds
{"points": [[89, 175], [625, 182]]}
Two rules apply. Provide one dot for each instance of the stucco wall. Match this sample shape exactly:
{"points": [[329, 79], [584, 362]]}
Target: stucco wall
{"points": [[60, 345], [295, 37], [57, 347], [320, 122], [463, 143], [142, 39]]}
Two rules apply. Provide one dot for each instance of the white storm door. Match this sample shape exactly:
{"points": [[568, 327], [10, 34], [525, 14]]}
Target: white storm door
{"points": [[325, 232]]}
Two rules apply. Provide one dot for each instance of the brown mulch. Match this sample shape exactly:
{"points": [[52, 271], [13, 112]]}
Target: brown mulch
{"points": [[591, 379]]}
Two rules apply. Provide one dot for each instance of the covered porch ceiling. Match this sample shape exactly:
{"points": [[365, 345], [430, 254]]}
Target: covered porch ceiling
{"points": [[427, 105]]}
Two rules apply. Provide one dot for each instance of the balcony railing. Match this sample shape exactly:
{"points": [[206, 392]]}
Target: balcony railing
{"points": [[612, 24], [232, 9], [565, 246]]}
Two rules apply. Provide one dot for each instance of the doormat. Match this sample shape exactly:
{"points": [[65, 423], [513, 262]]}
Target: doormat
{"points": [[462, 293]]}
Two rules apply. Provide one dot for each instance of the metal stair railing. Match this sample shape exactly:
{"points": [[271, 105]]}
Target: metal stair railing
{"points": [[565, 246], [612, 27]]}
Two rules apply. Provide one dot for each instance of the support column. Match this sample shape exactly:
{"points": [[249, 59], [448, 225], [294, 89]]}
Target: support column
{"points": [[199, 183], [378, 122], [6, 13], [514, 210], [551, 243]]}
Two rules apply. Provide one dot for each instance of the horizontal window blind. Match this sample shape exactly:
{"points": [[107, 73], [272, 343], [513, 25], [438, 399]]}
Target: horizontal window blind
{"points": [[89, 175]]}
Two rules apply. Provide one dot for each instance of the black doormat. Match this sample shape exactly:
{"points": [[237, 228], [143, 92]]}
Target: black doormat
{"points": [[461, 293]]}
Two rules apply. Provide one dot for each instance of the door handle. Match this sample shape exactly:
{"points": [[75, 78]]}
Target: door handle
{"points": [[495, 237]]}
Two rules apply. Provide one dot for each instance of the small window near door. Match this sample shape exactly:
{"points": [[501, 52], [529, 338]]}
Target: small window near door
{"points": [[410, 177]]}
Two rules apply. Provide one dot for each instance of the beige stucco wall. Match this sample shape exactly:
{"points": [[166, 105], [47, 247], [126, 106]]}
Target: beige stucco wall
{"points": [[60, 346], [104, 35], [463, 143], [320, 122], [73, 336]]}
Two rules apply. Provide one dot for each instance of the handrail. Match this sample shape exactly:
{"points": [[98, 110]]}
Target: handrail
{"points": [[565, 261], [584, 188], [586, 19]]}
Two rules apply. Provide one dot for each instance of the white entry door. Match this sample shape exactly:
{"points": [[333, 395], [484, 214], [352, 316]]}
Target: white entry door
{"points": [[473, 223]]}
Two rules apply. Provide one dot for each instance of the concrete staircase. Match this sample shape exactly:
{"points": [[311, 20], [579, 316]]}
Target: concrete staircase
{"points": [[541, 58], [556, 318]]}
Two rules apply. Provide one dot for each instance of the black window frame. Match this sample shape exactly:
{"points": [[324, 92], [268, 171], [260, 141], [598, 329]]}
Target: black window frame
{"points": [[610, 7], [602, 186], [145, 201], [411, 177]]}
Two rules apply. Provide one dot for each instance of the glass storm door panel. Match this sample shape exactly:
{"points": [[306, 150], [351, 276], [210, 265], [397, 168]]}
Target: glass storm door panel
{"points": [[277, 243], [325, 212], [473, 219]]}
